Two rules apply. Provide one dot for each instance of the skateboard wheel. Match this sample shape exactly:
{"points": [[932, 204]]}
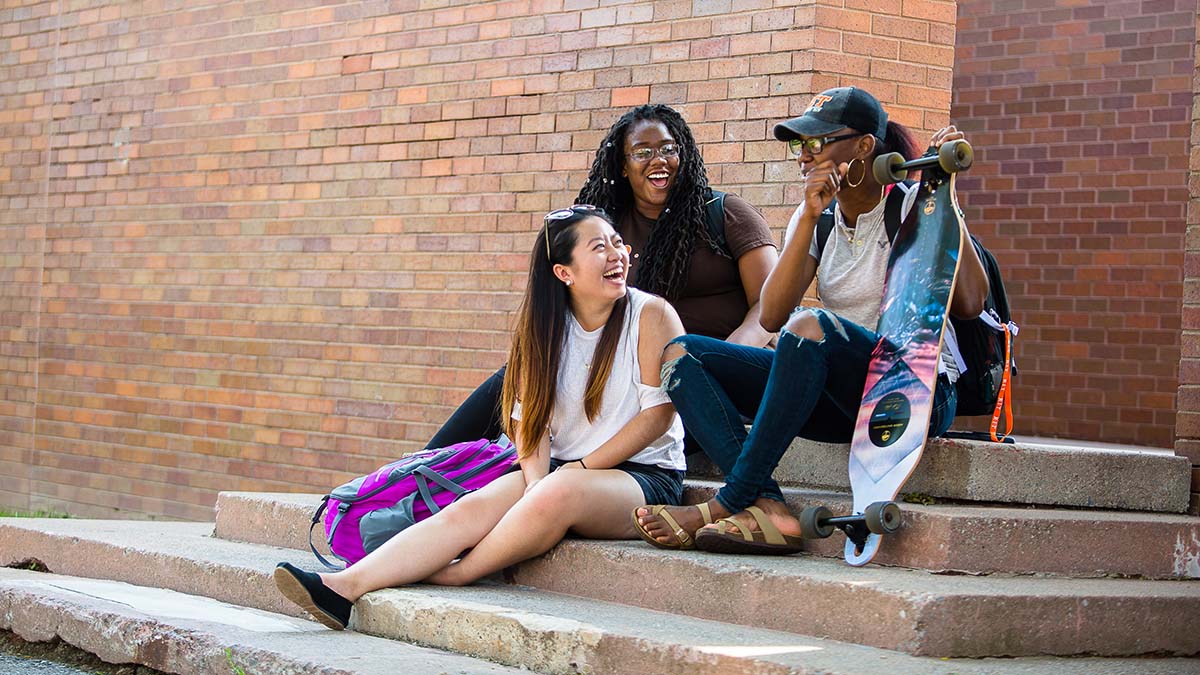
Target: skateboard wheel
{"points": [[886, 168], [810, 523], [882, 517], [955, 156]]}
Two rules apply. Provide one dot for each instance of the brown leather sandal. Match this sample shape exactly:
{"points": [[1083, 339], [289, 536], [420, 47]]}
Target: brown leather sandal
{"points": [[766, 540], [683, 538]]}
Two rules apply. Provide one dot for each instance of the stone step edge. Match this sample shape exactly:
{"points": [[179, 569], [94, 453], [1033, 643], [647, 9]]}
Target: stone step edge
{"points": [[901, 610], [500, 618], [989, 472], [944, 538], [98, 617]]}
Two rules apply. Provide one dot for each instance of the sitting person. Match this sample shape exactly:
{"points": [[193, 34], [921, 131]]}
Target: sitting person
{"points": [[595, 434], [812, 384], [649, 175]]}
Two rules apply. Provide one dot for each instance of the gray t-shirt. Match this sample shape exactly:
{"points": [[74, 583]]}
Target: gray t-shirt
{"points": [[853, 268]]}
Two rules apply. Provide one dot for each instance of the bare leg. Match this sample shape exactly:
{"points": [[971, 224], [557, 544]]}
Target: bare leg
{"points": [[432, 543], [594, 504]]}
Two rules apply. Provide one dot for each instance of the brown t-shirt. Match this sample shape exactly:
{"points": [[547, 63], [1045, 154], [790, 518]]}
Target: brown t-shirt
{"points": [[713, 301]]}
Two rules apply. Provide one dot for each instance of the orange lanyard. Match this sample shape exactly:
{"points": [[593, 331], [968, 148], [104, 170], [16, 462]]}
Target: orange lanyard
{"points": [[1004, 399]]}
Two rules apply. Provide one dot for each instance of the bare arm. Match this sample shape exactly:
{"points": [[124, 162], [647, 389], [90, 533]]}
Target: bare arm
{"points": [[753, 268], [785, 286], [659, 325], [537, 465], [971, 285]]}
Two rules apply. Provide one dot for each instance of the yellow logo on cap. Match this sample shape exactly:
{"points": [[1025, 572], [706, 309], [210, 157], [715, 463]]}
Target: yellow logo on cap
{"points": [[818, 102]]}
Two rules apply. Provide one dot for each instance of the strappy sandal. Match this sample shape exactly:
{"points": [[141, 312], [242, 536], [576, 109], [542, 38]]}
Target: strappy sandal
{"points": [[766, 540], [683, 539]]}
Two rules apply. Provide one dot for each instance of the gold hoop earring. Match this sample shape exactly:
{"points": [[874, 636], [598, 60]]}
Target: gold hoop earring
{"points": [[861, 178]]}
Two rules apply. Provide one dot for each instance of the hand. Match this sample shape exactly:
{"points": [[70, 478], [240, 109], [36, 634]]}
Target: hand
{"points": [[950, 133], [821, 184]]}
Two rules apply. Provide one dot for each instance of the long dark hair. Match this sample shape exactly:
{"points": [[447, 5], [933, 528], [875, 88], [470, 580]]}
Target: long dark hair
{"points": [[663, 269], [541, 331], [898, 139]]}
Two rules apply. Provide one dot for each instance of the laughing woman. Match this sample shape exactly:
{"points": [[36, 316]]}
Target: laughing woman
{"points": [[649, 175], [595, 435]]}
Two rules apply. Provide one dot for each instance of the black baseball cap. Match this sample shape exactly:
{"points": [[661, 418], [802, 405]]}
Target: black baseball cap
{"points": [[835, 109]]}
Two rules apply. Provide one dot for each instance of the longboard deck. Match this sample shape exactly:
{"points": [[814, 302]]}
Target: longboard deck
{"points": [[893, 420]]}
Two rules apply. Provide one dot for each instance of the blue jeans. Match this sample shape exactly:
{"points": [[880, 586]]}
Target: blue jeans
{"points": [[803, 388]]}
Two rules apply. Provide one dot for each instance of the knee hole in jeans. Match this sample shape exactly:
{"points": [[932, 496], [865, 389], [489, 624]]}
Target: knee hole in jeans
{"points": [[805, 325], [672, 355]]}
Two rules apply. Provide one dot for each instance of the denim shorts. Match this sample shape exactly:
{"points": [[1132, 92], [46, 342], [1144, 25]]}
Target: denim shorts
{"points": [[659, 485]]}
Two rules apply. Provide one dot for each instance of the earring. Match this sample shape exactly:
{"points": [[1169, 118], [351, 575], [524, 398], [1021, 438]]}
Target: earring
{"points": [[568, 282], [860, 178]]}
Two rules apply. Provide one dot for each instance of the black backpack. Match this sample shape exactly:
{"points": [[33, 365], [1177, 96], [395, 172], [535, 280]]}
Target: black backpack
{"points": [[980, 340]]}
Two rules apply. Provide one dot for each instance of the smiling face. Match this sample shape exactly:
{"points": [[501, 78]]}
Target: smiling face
{"points": [[599, 262], [650, 180]]}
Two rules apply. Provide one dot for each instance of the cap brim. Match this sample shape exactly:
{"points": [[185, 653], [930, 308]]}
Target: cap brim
{"points": [[804, 125]]}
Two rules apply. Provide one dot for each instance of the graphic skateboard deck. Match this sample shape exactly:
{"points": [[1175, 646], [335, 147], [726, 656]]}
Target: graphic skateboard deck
{"points": [[893, 420]]}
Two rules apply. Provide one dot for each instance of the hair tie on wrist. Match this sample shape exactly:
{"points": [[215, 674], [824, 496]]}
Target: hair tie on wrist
{"points": [[581, 463]]}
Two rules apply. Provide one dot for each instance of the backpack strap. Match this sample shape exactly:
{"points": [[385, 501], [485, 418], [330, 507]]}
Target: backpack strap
{"points": [[891, 215], [715, 220], [316, 519], [825, 227], [893, 207]]}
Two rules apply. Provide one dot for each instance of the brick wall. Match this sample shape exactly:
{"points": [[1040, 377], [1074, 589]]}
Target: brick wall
{"points": [[282, 240], [1188, 422], [1080, 116]]}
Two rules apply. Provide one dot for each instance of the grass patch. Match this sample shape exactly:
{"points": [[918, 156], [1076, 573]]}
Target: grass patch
{"points": [[32, 514]]}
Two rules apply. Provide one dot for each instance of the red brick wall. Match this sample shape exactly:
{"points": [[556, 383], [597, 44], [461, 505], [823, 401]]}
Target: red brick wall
{"points": [[1080, 117], [283, 240], [1188, 422]]}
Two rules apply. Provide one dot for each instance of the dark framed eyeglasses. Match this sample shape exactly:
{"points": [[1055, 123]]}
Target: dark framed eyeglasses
{"points": [[814, 146], [563, 214], [643, 155]]}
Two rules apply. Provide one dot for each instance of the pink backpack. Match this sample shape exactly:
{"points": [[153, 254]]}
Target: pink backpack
{"points": [[367, 511]]}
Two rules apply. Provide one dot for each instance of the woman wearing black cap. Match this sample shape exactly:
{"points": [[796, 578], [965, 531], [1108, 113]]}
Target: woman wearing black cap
{"points": [[812, 384]]}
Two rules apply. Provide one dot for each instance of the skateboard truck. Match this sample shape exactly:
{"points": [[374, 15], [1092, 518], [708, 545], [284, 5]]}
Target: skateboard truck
{"points": [[818, 522], [950, 157]]}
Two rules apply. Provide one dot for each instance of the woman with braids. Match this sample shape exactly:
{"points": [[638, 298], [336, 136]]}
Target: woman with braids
{"points": [[596, 436], [649, 175], [812, 384]]}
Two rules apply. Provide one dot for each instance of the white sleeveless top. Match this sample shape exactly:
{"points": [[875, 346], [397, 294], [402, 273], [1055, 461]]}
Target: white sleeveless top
{"points": [[572, 437]]}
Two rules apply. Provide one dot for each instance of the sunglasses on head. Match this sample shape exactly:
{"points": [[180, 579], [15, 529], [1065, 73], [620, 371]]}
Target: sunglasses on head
{"points": [[563, 214]]}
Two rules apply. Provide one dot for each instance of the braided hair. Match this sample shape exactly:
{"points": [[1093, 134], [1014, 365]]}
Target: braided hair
{"points": [[664, 267]]}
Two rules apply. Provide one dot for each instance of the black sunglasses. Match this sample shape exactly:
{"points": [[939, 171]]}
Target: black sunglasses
{"points": [[816, 144]]}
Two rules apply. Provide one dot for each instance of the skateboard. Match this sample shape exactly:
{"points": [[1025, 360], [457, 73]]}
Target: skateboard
{"points": [[893, 420]]}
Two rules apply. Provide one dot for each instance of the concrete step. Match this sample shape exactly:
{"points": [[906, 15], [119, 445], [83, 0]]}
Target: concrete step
{"points": [[902, 610], [544, 631], [178, 633], [941, 538], [977, 539], [1025, 473]]}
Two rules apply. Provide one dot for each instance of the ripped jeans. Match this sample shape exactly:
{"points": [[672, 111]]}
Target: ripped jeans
{"points": [[802, 388]]}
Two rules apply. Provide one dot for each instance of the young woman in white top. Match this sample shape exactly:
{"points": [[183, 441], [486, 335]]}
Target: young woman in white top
{"points": [[596, 436]]}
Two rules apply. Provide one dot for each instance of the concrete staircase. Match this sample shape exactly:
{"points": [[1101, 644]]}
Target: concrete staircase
{"points": [[978, 582]]}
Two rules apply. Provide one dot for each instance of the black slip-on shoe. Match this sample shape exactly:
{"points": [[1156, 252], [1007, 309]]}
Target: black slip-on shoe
{"points": [[307, 590]]}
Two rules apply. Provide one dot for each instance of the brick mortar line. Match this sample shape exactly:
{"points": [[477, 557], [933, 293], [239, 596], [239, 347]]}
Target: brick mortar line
{"points": [[47, 212]]}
